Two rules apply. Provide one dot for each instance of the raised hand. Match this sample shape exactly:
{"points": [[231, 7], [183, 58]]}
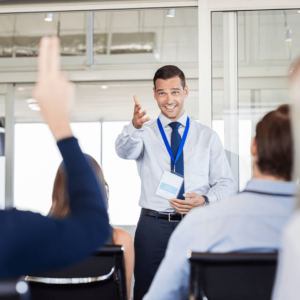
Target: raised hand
{"points": [[53, 91], [138, 118]]}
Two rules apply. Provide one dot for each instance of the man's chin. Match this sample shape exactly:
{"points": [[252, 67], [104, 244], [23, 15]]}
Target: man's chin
{"points": [[170, 115]]}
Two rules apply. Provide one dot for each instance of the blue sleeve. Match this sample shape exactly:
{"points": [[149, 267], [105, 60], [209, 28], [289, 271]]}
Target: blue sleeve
{"points": [[31, 242], [171, 281]]}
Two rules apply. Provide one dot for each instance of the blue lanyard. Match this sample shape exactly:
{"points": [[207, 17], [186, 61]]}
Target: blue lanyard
{"points": [[162, 132]]}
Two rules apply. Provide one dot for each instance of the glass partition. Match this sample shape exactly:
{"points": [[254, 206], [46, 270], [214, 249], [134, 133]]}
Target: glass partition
{"points": [[107, 43], [268, 42], [102, 37]]}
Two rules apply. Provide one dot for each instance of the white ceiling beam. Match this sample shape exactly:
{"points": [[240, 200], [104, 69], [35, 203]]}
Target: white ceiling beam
{"points": [[213, 5], [233, 5], [94, 5]]}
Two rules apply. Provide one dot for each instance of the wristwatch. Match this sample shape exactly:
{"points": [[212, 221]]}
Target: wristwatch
{"points": [[206, 199]]}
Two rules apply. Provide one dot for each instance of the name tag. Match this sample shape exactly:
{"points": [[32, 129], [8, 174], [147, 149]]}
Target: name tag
{"points": [[170, 185]]}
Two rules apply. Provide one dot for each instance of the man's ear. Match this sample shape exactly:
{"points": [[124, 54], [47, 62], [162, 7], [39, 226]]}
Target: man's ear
{"points": [[154, 93], [254, 148], [186, 91]]}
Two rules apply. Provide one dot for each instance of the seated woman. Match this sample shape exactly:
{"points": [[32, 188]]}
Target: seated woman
{"points": [[60, 209]]}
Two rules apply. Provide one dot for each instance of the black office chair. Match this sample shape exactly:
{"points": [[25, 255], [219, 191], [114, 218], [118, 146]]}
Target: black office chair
{"points": [[14, 290], [232, 276], [101, 276]]}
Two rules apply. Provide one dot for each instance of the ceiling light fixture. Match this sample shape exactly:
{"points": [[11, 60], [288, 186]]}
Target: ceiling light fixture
{"points": [[171, 13], [20, 89], [32, 104], [48, 17], [104, 87], [298, 11]]}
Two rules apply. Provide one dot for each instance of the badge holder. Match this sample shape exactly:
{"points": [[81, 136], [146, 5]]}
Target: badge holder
{"points": [[170, 185]]}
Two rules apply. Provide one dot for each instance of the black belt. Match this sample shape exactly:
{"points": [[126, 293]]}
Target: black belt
{"points": [[171, 217]]}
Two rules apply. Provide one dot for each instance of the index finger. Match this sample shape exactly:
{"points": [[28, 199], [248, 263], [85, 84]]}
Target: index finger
{"points": [[182, 202], [43, 56], [136, 100], [54, 55]]}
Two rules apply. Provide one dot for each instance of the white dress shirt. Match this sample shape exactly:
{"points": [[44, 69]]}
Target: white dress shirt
{"points": [[288, 272], [247, 222], [206, 168]]}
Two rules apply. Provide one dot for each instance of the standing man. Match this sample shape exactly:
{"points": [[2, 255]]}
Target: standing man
{"points": [[182, 165]]}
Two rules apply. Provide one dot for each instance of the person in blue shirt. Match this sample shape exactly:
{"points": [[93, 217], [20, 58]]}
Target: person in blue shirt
{"points": [[29, 241], [250, 221]]}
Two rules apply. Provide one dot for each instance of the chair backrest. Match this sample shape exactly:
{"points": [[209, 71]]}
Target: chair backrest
{"points": [[14, 290], [232, 276], [101, 276]]}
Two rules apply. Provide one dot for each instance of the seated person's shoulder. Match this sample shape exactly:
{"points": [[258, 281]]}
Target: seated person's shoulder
{"points": [[205, 213]]}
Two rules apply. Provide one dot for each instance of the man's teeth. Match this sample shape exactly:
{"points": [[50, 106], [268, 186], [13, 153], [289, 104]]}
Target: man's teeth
{"points": [[170, 107]]}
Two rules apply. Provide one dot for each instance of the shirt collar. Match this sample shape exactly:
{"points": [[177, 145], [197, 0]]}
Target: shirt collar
{"points": [[165, 121], [272, 187]]}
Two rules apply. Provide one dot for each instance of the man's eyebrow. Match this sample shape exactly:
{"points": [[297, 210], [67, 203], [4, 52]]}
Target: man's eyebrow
{"points": [[172, 89]]}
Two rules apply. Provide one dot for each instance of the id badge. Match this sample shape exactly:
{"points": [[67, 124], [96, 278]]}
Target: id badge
{"points": [[170, 185]]}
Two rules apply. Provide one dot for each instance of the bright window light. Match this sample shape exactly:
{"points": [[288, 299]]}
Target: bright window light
{"points": [[122, 178], [37, 159]]}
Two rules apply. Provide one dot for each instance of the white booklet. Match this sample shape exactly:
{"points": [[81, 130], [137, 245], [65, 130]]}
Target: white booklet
{"points": [[169, 186]]}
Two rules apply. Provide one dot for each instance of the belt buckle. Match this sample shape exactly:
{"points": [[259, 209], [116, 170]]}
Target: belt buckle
{"points": [[172, 220]]}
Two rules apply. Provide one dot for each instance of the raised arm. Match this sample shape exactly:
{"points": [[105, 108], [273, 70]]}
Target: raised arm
{"points": [[129, 144], [29, 241]]}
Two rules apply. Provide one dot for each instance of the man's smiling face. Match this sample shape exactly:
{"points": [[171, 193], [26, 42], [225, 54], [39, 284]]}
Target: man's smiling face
{"points": [[170, 96]]}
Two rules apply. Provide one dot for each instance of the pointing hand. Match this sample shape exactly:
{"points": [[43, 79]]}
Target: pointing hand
{"points": [[138, 118]]}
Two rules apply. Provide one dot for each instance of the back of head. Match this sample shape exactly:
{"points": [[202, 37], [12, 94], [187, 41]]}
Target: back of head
{"points": [[168, 72], [274, 144], [60, 199]]}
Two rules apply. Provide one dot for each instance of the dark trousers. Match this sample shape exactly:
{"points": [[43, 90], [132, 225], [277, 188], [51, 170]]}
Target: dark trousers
{"points": [[150, 244]]}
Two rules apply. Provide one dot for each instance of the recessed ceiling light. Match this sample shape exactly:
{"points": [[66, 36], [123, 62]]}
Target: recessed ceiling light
{"points": [[48, 17], [20, 89], [171, 13], [104, 87], [32, 104], [298, 11]]}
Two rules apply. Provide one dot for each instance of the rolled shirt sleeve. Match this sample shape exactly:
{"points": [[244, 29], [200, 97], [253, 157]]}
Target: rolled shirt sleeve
{"points": [[129, 144]]}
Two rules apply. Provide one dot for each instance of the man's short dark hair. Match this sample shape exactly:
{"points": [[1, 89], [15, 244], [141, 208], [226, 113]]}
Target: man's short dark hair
{"points": [[168, 72], [274, 143]]}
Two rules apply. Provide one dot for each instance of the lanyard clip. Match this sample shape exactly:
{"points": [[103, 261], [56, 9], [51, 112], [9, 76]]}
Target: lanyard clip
{"points": [[174, 168]]}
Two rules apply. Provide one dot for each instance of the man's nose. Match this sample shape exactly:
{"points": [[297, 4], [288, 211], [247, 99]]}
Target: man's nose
{"points": [[169, 98]]}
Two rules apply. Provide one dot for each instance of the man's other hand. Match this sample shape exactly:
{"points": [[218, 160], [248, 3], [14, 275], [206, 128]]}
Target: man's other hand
{"points": [[184, 206], [53, 91], [138, 118]]}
